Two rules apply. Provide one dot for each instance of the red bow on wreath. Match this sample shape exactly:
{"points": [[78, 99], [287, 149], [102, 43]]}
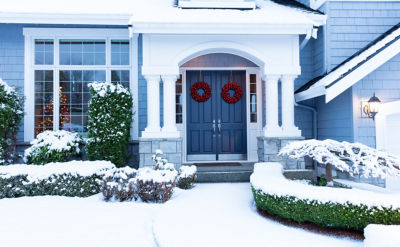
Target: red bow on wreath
{"points": [[231, 86], [194, 91]]}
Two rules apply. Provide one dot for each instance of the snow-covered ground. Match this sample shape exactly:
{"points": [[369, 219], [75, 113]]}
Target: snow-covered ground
{"points": [[208, 215]]}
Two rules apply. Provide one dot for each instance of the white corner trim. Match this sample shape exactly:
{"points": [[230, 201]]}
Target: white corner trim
{"points": [[380, 122], [358, 74]]}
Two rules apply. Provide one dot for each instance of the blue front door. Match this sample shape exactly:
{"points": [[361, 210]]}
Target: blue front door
{"points": [[216, 130]]}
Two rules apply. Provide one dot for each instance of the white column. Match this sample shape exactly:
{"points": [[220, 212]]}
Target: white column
{"points": [[169, 129], [289, 129], [272, 129], [153, 107]]}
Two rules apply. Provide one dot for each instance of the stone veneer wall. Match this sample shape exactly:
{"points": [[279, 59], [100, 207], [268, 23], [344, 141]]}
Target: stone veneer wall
{"points": [[269, 147], [171, 147]]}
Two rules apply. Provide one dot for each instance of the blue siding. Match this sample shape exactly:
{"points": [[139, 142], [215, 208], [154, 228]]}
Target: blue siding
{"points": [[304, 117], [385, 82], [12, 59], [335, 118], [351, 25]]}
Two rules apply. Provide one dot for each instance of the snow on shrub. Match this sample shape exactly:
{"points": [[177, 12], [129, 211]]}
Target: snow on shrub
{"points": [[53, 146], [155, 185], [120, 184], [109, 121], [325, 206], [75, 178], [187, 177], [353, 158], [160, 162], [382, 236], [11, 113]]}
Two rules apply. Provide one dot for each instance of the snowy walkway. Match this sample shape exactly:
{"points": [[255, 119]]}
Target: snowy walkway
{"points": [[208, 215]]}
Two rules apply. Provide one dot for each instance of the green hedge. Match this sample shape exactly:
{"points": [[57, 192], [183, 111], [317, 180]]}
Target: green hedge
{"points": [[109, 120], [332, 215], [60, 184]]}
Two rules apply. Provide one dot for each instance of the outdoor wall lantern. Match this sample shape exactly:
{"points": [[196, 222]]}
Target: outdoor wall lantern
{"points": [[372, 107]]}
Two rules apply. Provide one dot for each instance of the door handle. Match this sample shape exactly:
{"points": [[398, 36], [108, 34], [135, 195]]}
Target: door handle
{"points": [[213, 125], [219, 126]]}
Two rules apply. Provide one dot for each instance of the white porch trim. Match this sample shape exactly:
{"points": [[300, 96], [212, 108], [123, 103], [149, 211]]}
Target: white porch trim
{"points": [[382, 134]]}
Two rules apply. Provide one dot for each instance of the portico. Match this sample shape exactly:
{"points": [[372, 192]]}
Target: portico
{"points": [[272, 48]]}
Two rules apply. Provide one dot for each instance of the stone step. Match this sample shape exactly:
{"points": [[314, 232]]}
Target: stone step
{"points": [[223, 176]]}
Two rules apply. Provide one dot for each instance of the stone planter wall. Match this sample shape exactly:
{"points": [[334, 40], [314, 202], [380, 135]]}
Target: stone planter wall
{"points": [[269, 147], [171, 147]]}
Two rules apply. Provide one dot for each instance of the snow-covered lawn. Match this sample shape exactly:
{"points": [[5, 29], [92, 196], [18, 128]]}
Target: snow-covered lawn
{"points": [[208, 215]]}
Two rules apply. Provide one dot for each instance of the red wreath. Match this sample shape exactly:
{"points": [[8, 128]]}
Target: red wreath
{"points": [[231, 86], [194, 91]]}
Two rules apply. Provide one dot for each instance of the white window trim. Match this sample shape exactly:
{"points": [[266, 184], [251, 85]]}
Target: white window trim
{"points": [[75, 33]]}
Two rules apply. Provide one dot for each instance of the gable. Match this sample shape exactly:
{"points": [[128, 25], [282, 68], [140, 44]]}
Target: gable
{"points": [[354, 68]]}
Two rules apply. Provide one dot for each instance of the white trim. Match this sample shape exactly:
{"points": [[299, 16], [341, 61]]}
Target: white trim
{"points": [[256, 127], [224, 28], [380, 123], [75, 33], [51, 18], [353, 77]]}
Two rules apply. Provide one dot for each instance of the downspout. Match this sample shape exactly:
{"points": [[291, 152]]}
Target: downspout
{"points": [[315, 127], [315, 120]]}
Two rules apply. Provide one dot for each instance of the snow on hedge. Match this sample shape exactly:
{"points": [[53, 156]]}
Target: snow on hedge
{"points": [[187, 171], [382, 236], [148, 174], [75, 168], [268, 177], [354, 158]]}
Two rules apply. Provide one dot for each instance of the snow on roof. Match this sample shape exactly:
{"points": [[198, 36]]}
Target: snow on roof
{"points": [[146, 12], [354, 68], [267, 12]]}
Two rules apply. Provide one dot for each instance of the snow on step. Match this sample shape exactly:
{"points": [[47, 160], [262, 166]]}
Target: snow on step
{"points": [[382, 236]]}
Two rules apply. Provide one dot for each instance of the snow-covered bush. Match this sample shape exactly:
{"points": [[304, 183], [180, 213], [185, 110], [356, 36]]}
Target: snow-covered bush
{"points": [[109, 121], [339, 208], [155, 185], [161, 163], [75, 178], [53, 146], [11, 113], [120, 184], [353, 158], [187, 177]]}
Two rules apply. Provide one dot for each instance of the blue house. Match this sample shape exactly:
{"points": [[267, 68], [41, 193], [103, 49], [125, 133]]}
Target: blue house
{"points": [[212, 81]]}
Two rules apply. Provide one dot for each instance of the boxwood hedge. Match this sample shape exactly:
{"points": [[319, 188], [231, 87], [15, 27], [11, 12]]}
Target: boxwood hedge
{"points": [[331, 215]]}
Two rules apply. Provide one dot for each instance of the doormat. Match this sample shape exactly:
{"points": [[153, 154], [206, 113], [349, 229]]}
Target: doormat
{"points": [[218, 164]]}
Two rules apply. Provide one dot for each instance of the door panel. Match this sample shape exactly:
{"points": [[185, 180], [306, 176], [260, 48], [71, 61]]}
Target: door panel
{"points": [[228, 141]]}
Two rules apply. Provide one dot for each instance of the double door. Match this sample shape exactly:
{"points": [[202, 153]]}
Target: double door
{"points": [[216, 130]]}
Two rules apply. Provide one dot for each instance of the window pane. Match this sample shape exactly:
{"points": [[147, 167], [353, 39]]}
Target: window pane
{"points": [[253, 98], [119, 52], [178, 100], [82, 52], [120, 76], [44, 52], [74, 97], [44, 102]]}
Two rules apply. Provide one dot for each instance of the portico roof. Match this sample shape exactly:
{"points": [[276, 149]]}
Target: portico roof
{"points": [[270, 16]]}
